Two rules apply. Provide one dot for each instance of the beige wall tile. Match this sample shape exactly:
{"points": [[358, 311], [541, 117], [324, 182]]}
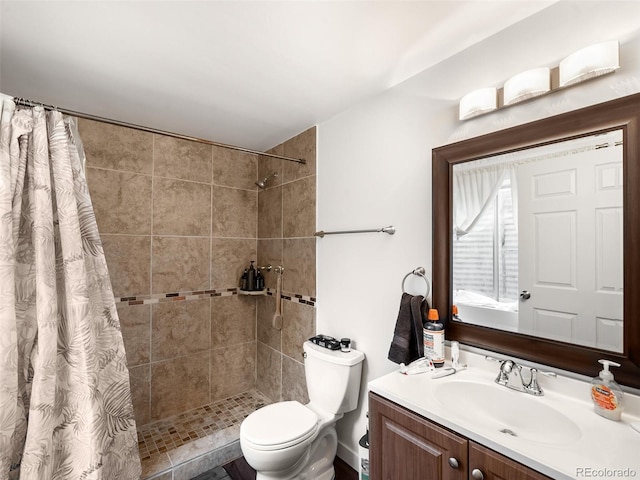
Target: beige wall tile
{"points": [[140, 380], [129, 262], [299, 208], [116, 148], [182, 159], [232, 168], [233, 320], [181, 208], [179, 384], [269, 369], [300, 146], [299, 257], [234, 212], [270, 253], [180, 264], [180, 328], [298, 325], [277, 150], [270, 213], [265, 331], [294, 383], [229, 258], [233, 370], [121, 201], [135, 322]]}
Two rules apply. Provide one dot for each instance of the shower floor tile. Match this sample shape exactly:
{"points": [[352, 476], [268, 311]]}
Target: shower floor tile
{"points": [[173, 432]]}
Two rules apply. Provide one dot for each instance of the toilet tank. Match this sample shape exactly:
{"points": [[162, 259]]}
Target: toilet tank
{"points": [[333, 377]]}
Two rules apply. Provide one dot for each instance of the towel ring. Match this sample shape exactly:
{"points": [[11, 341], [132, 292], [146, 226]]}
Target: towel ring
{"points": [[420, 272]]}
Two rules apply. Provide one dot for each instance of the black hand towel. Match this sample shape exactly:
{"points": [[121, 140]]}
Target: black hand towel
{"points": [[407, 345]]}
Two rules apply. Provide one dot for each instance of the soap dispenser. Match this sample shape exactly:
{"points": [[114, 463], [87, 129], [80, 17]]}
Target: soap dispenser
{"points": [[606, 393], [251, 277]]}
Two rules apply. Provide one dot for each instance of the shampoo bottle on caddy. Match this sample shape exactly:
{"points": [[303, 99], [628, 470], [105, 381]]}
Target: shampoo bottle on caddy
{"points": [[433, 337]]}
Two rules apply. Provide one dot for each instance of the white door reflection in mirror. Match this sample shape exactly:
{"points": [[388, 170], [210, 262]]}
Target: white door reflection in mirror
{"points": [[566, 200]]}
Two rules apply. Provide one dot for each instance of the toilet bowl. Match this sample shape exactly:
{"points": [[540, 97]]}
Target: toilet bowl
{"points": [[282, 438], [289, 440]]}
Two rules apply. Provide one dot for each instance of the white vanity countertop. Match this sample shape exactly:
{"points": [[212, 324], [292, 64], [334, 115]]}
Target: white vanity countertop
{"points": [[599, 448]]}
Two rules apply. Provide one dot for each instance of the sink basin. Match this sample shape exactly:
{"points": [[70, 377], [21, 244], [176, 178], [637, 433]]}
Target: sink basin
{"points": [[501, 410]]}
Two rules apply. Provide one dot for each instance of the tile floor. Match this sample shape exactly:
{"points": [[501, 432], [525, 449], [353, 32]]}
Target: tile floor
{"points": [[174, 434]]}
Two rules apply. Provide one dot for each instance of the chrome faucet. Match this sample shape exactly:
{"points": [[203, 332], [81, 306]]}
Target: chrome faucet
{"points": [[510, 375]]}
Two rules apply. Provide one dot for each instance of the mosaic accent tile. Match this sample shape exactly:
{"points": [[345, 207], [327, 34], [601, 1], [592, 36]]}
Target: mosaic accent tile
{"points": [[200, 294], [173, 432]]}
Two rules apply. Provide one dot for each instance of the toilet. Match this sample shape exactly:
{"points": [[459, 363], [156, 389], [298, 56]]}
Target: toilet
{"points": [[289, 440]]}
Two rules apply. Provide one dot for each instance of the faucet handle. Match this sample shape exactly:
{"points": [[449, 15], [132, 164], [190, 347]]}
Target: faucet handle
{"points": [[534, 387]]}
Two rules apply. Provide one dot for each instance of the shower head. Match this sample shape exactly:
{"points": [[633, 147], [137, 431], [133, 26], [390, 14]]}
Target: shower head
{"points": [[263, 183]]}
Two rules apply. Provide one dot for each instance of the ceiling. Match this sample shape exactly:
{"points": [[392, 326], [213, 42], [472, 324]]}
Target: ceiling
{"points": [[246, 73]]}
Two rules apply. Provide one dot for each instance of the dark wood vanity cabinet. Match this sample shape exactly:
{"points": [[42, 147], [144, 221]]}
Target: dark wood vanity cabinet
{"points": [[406, 446]]}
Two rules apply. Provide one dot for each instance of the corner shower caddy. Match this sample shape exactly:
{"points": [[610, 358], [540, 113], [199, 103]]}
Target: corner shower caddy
{"points": [[279, 269]]}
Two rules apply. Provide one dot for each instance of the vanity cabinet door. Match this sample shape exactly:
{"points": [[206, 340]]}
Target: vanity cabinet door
{"points": [[493, 466], [405, 446]]}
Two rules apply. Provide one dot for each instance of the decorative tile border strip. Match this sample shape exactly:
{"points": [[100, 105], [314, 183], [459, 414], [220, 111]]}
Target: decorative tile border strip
{"points": [[294, 297], [175, 296], [201, 294]]}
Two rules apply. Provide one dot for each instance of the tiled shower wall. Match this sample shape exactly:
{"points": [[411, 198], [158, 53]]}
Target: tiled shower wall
{"points": [[179, 221], [286, 224]]}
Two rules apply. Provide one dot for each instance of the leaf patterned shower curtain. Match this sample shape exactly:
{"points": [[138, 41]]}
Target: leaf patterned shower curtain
{"points": [[65, 401]]}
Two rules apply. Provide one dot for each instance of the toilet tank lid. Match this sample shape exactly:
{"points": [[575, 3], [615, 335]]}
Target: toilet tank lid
{"points": [[334, 356]]}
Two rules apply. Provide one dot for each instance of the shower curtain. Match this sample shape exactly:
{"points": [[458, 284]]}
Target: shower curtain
{"points": [[65, 400]]}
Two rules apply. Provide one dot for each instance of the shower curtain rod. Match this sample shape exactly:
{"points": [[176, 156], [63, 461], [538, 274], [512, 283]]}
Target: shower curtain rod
{"points": [[30, 103]]}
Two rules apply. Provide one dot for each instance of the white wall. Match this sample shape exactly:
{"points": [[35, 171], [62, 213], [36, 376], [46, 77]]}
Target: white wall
{"points": [[374, 168]]}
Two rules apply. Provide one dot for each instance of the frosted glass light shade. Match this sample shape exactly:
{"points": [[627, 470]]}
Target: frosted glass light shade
{"points": [[478, 102], [526, 85], [589, 62]]}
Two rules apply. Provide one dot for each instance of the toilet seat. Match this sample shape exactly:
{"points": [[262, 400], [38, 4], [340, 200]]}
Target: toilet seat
{"points": [[279, 426]]}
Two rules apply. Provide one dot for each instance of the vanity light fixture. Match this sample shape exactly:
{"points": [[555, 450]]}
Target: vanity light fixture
{"points": [[589, 62], [478, 102], [527, 85]]}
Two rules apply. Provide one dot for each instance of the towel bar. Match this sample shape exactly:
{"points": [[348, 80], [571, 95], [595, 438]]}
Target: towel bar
{"points": [[420, 272], [390, 230]]}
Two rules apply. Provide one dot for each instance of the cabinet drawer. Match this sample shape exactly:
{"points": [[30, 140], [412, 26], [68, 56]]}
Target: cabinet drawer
{"points": [[495, 466]]}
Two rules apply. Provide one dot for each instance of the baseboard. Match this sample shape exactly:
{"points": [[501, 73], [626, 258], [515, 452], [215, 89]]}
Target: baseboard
{"points": [[348, 456]]}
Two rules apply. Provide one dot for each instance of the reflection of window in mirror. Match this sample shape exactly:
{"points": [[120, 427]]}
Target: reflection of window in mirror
{"points": [[485, 257], [537, 241]]}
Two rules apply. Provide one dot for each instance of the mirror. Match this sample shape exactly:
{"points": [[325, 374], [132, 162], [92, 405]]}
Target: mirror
{"points": [[538, 339], [537, 241]]}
